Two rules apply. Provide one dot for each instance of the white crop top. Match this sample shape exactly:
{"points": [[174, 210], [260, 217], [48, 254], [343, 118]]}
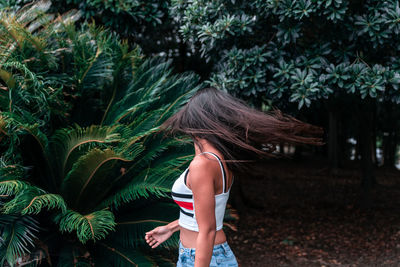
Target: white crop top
{"points": [[183, 196]]}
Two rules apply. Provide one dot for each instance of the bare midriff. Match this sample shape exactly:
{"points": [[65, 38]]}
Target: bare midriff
{"points": [[189, 237]]}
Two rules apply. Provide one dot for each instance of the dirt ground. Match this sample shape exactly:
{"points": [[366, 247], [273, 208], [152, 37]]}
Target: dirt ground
{"points": [[310, 216]]}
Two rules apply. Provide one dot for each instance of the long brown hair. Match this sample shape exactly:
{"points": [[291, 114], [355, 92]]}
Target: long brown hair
{"points": [[242, 134]]}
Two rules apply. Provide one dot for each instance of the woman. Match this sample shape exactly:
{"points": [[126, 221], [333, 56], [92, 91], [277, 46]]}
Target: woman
{"points": [[228, 136]]}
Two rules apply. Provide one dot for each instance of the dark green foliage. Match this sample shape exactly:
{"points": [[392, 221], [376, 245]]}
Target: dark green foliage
{"points": [[110, 12], [299, 51], [117, 13], [82, 151], [17, 234], [13, 4]]}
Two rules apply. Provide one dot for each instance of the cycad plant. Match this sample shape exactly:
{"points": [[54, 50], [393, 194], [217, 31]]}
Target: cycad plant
{"points": [[84, 169]]}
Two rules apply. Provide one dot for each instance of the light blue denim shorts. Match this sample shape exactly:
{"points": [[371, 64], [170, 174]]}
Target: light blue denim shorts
{"points": [[222, 256]]}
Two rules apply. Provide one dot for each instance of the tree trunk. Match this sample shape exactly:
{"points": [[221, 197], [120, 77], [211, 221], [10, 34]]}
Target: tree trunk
{"points": [[389, 149], [357, 147], [390, 140], [373, 138], [344, 149], [282, 148], [366, 151], [333, 139], [181, 66]]}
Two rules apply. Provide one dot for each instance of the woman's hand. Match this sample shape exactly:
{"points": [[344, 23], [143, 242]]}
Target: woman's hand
{"points": [[159, 234]]}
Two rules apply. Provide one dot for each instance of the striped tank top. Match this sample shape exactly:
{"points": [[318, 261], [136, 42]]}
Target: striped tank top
{"points": [[183, 196]]}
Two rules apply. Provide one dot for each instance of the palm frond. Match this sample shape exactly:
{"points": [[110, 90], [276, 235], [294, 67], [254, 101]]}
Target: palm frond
{"points": [[161, 261], [8, 78], [98, 71], [132, 226], [14, 125], [28, 199], [126, 61], [27, 76], [11, 172], [24, 136], [135, 191], [27, 93], [177, 92], [110, 255], [88, 179], [154, 147], [66, 144], [134, 110], [93, 226], [49, 201], [165, 169], [50, 67], [34, 131], [144, 122], [155, 181], [33, 147], [17, 237], [13, 187], [16, 32], [142, 92]]}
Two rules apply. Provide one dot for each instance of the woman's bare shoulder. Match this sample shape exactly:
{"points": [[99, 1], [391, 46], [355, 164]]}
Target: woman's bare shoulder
{"points": [[204, 165], [204, 161]]}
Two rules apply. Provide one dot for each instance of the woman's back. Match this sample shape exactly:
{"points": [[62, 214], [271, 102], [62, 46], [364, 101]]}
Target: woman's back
{"points": [[208, 167]]}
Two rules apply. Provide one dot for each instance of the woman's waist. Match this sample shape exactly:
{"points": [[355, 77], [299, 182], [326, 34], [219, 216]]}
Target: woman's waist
{"points": [[188, 237]]}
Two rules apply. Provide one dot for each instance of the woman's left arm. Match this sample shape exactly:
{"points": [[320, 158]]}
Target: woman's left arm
{"points": [[202, 185]]}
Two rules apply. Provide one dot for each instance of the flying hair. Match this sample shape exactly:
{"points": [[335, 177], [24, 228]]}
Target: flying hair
{"points": [[241, 133]]}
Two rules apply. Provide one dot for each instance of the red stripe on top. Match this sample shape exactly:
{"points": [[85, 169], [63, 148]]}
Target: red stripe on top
{"points": [[186, 205]]}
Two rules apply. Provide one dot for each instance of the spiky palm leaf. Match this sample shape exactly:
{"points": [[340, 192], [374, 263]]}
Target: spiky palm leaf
{"points": [[88, 179], [97, 187], [131, 226], [70, 144], [115, 255], [31, 201], [17, 234], [93, 226], [26, 54], [155, 181]]}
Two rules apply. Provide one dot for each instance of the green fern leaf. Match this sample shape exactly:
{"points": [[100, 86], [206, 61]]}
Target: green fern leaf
{"points": [[13, 187], [69, 140], [110, 255], [88, 179], [93, 226], [17, 237], [11, 172], [51, 201], [32, 201], [135, 191], [131, 227]]}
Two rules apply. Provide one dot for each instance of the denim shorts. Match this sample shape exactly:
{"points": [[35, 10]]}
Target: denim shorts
{"points": [[222, 256]]}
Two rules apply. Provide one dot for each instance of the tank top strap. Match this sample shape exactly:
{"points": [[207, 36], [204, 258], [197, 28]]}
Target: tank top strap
{"points": [[185, 177], [222, 168]]}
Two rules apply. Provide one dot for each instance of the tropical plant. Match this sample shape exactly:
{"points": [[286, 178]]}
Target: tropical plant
{"points": [[85, 171]]}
